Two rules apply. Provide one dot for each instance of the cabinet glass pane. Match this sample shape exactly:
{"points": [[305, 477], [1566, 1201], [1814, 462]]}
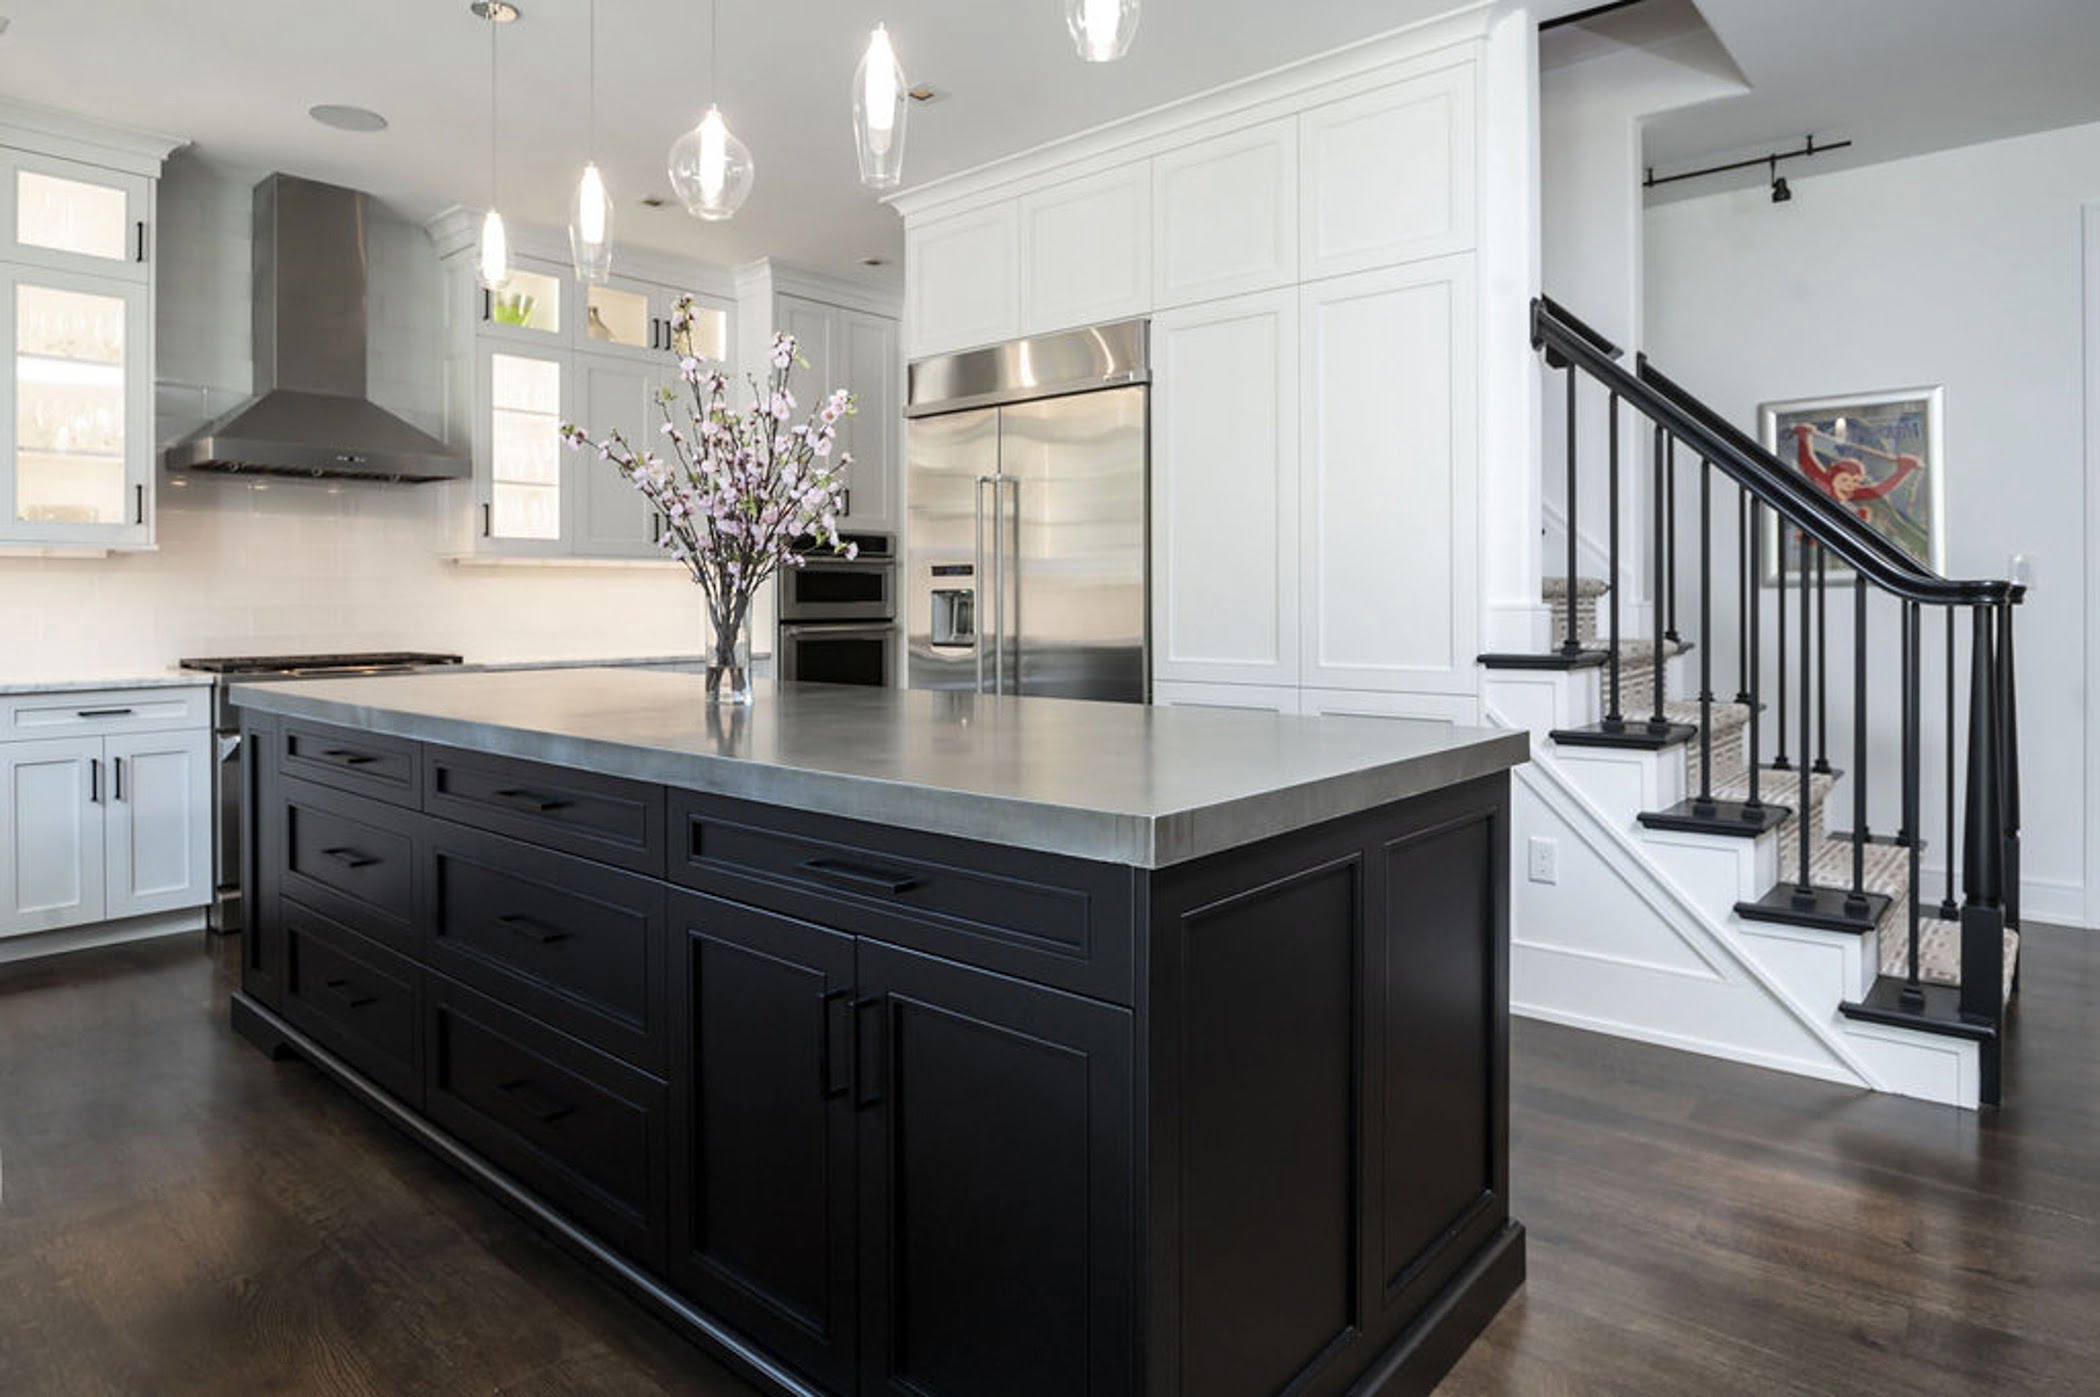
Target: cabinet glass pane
{"points": [[531, 301], [709, 335], [614, 316], [70, 215], [525, 447], [69, 407]]}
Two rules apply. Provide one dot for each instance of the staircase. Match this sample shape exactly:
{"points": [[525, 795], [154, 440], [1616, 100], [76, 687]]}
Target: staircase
{"points": [[1711, 881]]}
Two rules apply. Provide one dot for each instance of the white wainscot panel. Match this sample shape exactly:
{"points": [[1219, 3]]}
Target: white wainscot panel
{"points": [[1445, 710], [1225, 215], [1265, 698], [963, 276], [1388, 176], [1086, 250], [1389, 507]]}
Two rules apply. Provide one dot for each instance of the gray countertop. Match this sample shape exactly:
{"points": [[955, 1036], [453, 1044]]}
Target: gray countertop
{"points": [[78, 682], [1119, 783]]}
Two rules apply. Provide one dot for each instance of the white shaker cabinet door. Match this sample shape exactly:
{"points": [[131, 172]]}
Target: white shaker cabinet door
{"points": [[51, 831], [612, 519], [1225, 215], [160, 805], [962, 277], [871, 368], [1390, 480], [1388, 176], [1225, 493], [1086, 250]]}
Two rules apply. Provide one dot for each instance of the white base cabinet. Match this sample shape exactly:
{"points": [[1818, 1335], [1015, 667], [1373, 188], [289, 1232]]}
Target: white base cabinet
{"points": [[107, 821]]}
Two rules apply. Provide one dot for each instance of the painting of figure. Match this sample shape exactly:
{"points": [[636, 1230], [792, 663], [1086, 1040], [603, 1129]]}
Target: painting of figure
{"points": [[1877, 455]]}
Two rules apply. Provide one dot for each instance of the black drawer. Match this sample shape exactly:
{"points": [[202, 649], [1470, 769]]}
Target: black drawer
{"points": [[384, 768], [583, 1131], [1062, 922], [353, 859], [573, 944], [355, 997], [599, 817]]}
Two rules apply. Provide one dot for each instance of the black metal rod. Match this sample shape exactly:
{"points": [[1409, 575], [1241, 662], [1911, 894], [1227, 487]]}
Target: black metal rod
{"points": [[1705, 804], [1950, 910], [1658, 721], [1856, 897], [1913, 773], [1614, 719], [1822, 666], [1904, 666], [1779, 533], [1753, 808], [1742, 601], [1805, 885], [1670, 489], [1572, 645], [1810, 148]]}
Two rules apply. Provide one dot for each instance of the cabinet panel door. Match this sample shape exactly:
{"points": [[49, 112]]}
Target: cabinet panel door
{"points": [[1389, 480], [159, 853], [762, 1197], [815, 328], [611, 519], [1225, 492], [869, 363], [962, 277], [1086, 250], [1225, 215], [51, 833], [996, 1163], [1388, 176], [61, 213], [523, 399]]}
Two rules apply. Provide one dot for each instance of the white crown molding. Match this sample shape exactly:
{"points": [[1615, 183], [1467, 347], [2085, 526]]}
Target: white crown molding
{"points": [[458, 229], [1420, 47], [786, 279], [48, 132]]}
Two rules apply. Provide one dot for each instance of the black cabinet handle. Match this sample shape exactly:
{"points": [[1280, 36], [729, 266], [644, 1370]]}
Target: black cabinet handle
{"points": [[655, 333], [139, 516], [102, 712], [542, 1106], [94, 780], [858, 878], [827, 1022], [531, 928], [118, 770], [488, 304], [869, 1080], [487, 520], [343, 756], [350, 858], [347, 992], [142, 240], [540, 803]]}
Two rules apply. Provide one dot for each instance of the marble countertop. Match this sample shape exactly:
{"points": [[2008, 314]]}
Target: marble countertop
{"points": [[74, 683], [1121, 783]]}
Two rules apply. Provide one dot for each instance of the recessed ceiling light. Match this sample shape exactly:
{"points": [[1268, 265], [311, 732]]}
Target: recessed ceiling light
{"points": [[4, 22], [344, 118], [654, 201], [503, 11], [874, 261], [923, 93]]}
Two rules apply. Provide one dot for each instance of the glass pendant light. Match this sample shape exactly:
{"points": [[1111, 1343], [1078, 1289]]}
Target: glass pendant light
{"points": [[878, 113], [591, 211], [1102, 29], [494, 264], [711, 170]]}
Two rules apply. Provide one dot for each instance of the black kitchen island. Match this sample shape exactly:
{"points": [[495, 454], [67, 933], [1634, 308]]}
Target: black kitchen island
{"points": [[918, 1043]]}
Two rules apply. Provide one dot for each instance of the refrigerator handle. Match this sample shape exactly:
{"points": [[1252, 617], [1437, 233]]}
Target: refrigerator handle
{"points": [[1004, 522], [977, 577]]}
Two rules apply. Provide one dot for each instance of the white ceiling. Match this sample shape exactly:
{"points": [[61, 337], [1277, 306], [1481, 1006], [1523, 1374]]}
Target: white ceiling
{"points": [[1897, 77], [237, 76]]}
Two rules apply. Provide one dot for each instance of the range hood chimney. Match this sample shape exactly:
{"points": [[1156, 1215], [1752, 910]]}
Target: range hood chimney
{"points": [[310, 417]]}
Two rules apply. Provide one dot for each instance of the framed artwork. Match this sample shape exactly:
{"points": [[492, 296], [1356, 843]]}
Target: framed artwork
{"points": [[1876, 454]]}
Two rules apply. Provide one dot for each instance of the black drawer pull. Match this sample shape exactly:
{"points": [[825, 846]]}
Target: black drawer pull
{"points": [[104, 713], [350, 858], [347, 992], [343, 756], [858, 878], [540, 1105], [531, 928], [541, 803]]}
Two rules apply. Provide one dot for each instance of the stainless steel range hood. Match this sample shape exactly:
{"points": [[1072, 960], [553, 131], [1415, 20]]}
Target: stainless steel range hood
{"points": [[310, 417]]}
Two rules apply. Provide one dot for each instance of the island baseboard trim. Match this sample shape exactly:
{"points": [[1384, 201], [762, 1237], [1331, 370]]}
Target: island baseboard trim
{"points": [[265, 1030], [1426, 1350]]}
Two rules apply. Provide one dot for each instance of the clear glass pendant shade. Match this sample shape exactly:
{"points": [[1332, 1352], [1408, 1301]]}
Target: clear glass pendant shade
{"points": [[711, 169], [494, 265], [879, 104], [1102, 29], [591, 227]]}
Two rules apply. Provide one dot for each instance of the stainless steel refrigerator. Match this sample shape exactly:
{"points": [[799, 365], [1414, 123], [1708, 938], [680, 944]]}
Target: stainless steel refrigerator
{"points": [[1026, 477]]}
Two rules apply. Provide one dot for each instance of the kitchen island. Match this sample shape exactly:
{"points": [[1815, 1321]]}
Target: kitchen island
{"points": [[906, 1042]]}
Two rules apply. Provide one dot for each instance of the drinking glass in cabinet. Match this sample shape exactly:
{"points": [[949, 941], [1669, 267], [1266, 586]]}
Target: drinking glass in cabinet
{"points": [[524, 447], [69, 407], [529, 301], [69, 215]]}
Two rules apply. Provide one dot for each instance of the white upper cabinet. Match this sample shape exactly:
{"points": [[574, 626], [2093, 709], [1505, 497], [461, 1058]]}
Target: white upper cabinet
{"points": [[868, 356], [962, 276], [1389, 507], [518, 452], [1225, 491], [1086, 250], [1225, 215], [609, 518], [76, 217], [1388, 176]]}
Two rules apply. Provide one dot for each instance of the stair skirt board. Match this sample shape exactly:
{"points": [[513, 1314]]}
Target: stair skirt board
{"points": [[1828, 909]]}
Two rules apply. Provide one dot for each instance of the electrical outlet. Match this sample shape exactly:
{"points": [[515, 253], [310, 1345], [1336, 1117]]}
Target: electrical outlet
{"points": [[1545, 860]]}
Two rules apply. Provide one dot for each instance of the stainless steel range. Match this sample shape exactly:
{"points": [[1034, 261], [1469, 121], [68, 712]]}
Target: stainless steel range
{"points": [[226, 671]]}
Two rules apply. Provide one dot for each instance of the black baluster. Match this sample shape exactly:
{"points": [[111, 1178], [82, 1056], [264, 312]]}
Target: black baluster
{"points": [[1742, 602], [1913, 987], [1614, 720], [1983, 830], [1704, 805], [1670, 487], [1856, 904], [1753, 808], [1779, 532], [1805, 885], [1665, 451], [2009, 722], [1950, 910], [1822, 665], [1904, 666], [1572, 645]]}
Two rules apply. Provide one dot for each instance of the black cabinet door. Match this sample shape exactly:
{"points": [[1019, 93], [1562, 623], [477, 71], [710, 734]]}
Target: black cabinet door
{"points": [[762, 1199], [996, 1162]]}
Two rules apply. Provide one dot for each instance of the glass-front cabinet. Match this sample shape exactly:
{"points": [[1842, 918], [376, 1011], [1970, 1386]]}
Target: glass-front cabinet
{"points": [[518, 452], [634, 318], [75, 217]]}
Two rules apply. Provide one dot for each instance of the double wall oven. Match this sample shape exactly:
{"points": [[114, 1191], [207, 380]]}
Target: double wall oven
{"points": [[838, 617]]}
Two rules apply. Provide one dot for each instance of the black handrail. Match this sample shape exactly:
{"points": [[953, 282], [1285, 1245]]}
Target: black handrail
{"points": [[1784, 492]]}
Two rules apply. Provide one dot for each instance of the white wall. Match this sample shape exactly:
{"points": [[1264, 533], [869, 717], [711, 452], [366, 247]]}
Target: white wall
{"points": [[1961, 268], [283, 567]]}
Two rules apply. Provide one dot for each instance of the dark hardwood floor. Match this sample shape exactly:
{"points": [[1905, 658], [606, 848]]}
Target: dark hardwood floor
{"points": [[1696, 1227]]}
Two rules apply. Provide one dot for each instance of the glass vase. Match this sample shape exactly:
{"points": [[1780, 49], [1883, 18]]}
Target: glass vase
{"points": [[729, 660]]}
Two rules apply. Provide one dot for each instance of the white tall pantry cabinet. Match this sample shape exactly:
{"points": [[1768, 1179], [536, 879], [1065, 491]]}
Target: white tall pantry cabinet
{"points": [[1304, 245]]}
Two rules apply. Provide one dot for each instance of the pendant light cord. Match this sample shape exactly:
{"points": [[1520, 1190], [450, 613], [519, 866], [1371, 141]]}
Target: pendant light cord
{"points": [[714, 53], [591, 48], [492, 103]]}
